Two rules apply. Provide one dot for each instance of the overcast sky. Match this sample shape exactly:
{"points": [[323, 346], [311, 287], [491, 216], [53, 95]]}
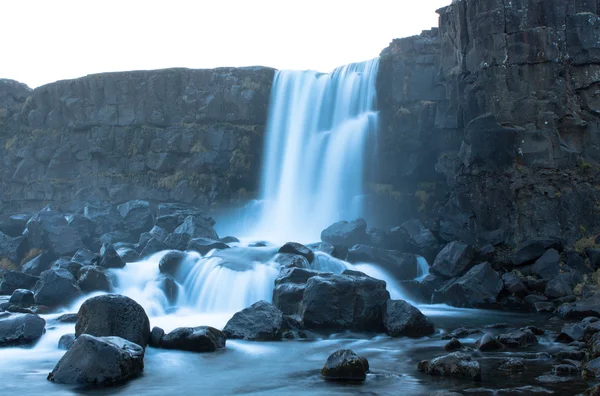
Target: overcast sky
{"points": [[44, 41]]}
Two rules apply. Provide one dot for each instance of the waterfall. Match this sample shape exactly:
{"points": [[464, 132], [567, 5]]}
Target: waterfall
{"points": [[314, 150]]}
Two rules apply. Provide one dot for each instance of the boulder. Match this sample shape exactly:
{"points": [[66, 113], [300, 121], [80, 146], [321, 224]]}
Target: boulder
{"points": [[168, 287], [113, 315], [529, 251], [287, 260], [403, 266], [13, 248], [477, 288], [20, 328], [65, 263], [84, 257], [99, 361], [346, 234], [571, 332], [85, 227], [38, 264], [104, 215], [128, 255], [453, 260], [153, 246], [561, 286], [93, 278], [514, 285], [67, 318], [158, 232], [197, 227], [109, 258], [50, 231], [66, 341], [229, 239], [289, 288], [13, 225], [456, 364], [137, 216], [420, 239], [171, 262], [22, 298], [545, 267], [299, 249], [195, 339], [518, 339], [403, 320], [453, 345], [583, 308], [429, 285], [349, 301], [13, 280], [345, 365], [205, 245], [156, 336], [489, 343], [513, 365], [260, 322], [56, 287], [179, 241]]}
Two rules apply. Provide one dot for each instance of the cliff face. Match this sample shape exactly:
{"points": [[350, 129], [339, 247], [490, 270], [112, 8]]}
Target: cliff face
{"points": [[491, 123], [191, 136]]}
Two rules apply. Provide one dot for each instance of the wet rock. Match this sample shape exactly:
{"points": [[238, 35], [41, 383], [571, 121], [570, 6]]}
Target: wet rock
{"points": [[65, 263], [403, 320], [205, 245], [104, 215], [560, 286], [13, 248], [514, 285], [38, 264], [260, 322], [593, 391], [403, 266], [345, 365], [420, 239], [299, 249], [489, 343], [529, 251], [195, 339], [56, 287], [156, 336], [518, 339], [168, 287], [456, 364], [137, 216], [50, 231], [229, 239], [570, 353], [571, 332], [477, 288], [85, 227], [453, 345], [128, 255], [513, 365], [8, 307], [84, 257], [197, 227], [592, 369], [181, 242], [351, 300], [93, 278], [67, 318], [99, 361], [346, 234], [565, 370], [289, 288], [109, 258], [169, 263], [22, 298], [66, 341], [113, 315], [545, 267], [544, 306], [535, 330], [429, 285], [581, 309], [115, 237], [20, 328], [453, 260], [552, 379], [158, 232], [461, 332], [286, 260], [154, 246]]}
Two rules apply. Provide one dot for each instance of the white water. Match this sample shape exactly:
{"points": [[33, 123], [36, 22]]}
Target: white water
{"points": [[316, 133]]}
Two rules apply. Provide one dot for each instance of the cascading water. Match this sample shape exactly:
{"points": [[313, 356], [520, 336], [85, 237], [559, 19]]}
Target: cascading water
{"points": [[313, 169]]}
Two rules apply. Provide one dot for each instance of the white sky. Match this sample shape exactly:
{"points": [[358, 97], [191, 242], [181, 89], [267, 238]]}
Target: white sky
{"points": [[44, 41]]}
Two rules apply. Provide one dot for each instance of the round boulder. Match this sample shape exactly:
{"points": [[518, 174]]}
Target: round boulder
{"points": [[261, 321], [22, 298], [345, 365], [169, 263], [56, 287], [299, 249], [195, 339]]}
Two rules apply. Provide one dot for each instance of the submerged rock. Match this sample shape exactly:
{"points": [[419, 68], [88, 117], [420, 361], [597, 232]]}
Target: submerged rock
{"points": [[99, 361], [456, 364], [260, 322], [20, 328], [345, 365], [195, 339], [402, 319], [113, 315]]}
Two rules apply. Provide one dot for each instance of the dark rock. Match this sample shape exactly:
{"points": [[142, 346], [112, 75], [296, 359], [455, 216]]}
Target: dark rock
{"points": [[50, 231], [14, 225], [93, 278], [156, 336], [22, 298], [544, 306], [529, 251], [456, 364], [168, 287], [260, 322], [128, 255], [518, 339], [561, 286], [570, 353], [403, 320], [420, 239], [157, 232], [403, 266], [513, 365], [66, 341], [205, 245], [581, 309], [20, 328], [352, 301], [461, 332], [477, 288], [56, 287], [453, 345], [546, 267], [99, 361], [346, 234], [289, 288], [85, 227], [514, 285], [453, 260], [84, 257], [109, 258], [565, 370], [429, 285], [287, 260], [576, 262], [593, 391], [8, 307], [195, 339], [65, 263], [153, 246], [197, 227], [113, 315], [137, 216], [489, 343], [299, 249], [178, 241], [535, 330], [229, 239], [552, 379], [104, 215], [114, 237], [171, 262], [345, 365], [38, 264], [67, 318], [592, 369], [13, 248]]}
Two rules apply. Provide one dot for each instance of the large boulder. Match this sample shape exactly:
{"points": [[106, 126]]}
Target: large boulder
{"points": [[20, 328], [453, 260], [13, 248], [65, 263], [260, 322], [168, 286], [93, 278], [529, 251], [84, 257], [99, 361], [456, 364], [13, 280], [514, 284], [581, 309], [22, 298], [298, 249], [171, 262], [50, 231], [403, 266], [85, 227], [412, 236], [104, 215], [197, 227], [351, 300], [113, 315], [289, 289], [137, 216], [518, 339], [153, 246], [403, 320], [345, 365], [477, 288], [195, 339], [346, 234], [13, 225], [109, 258], [205, 245], [545, 267], [66, 341], [39, 264], [56, 287]]}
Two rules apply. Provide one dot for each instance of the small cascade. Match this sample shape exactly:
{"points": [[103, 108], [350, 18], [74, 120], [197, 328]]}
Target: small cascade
{"points": [[422, 268]]}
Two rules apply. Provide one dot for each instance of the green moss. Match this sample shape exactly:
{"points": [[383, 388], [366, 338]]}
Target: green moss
{"points": [[169, 182], [7, 265], [386, 190], [198, 148], [585, 243], [10, 143], [133, 150]]}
